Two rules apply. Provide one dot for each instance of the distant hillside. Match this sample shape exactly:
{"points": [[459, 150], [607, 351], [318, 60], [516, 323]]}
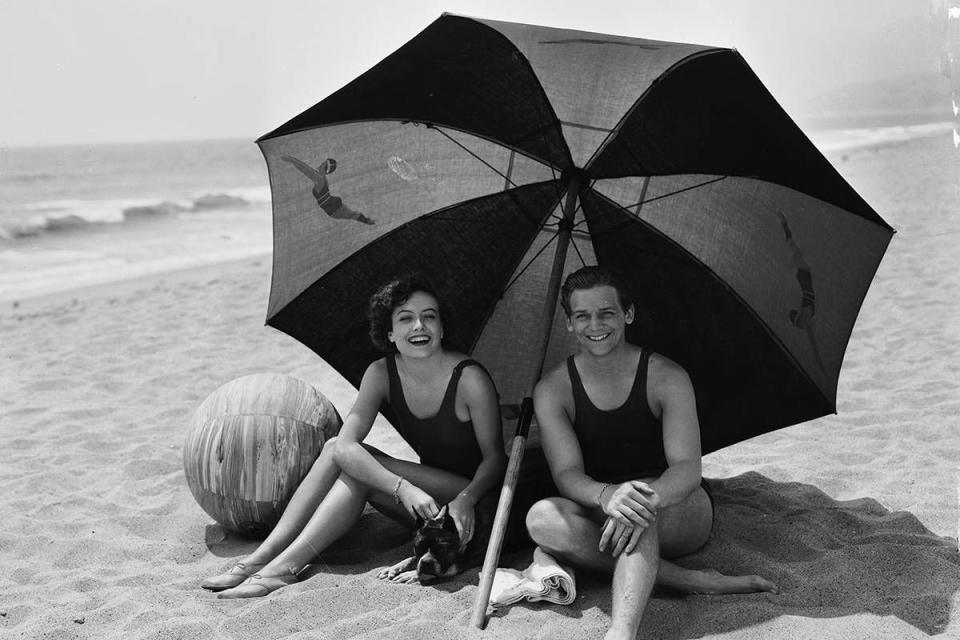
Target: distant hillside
{"points": [[901, 100]]}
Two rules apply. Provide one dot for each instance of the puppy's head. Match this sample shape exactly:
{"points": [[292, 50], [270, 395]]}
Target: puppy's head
{"points": [[436, 546]]}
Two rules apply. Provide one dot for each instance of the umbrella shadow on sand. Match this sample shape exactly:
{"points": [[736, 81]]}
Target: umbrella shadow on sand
{"points": [[830, 558]]}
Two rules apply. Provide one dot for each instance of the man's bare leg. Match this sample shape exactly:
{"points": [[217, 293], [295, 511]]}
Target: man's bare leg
{"points": [[567, 530], [683, 529], [633, 580], [571, 532]]}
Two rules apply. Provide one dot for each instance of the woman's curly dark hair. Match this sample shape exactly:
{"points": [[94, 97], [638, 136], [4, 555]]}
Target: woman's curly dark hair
{"points": [[390, 296]]}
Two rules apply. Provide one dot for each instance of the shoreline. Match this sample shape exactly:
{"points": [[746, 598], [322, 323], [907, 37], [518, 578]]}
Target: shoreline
{"points": [[126, 285]]}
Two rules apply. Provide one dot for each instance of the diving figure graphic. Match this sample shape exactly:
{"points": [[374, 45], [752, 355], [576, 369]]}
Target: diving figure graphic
{"points": [[802, 317], [331, 205]]}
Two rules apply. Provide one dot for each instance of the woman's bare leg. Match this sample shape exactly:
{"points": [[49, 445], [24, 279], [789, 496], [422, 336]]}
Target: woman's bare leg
{"points": [[337, 513], [343, 504], [340, 509], [302, 506]]}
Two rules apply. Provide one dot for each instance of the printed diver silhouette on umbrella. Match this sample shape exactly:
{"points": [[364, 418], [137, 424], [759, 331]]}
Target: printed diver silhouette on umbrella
{"points": [[331, 205], [669, 161], [802, 316]]}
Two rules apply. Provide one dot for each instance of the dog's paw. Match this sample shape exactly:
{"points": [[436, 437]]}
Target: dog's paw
{"points": [[406, 577], [390, 573]]}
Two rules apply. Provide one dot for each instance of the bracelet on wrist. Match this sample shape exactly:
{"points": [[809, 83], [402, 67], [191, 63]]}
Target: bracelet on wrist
{"points": [[396, 489], [606, 486]]}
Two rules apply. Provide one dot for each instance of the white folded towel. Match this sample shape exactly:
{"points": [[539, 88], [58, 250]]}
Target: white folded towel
{"points": [[545, 579]]}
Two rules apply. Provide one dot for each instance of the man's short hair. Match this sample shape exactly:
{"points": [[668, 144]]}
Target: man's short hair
{"points": [[598, 276]]}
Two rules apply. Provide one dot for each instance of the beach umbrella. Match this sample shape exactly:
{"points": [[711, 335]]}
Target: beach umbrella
{"points": [[497, 157]]}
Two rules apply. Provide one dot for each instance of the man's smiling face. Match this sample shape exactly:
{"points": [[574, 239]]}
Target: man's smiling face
{"points": [[597, 319]]}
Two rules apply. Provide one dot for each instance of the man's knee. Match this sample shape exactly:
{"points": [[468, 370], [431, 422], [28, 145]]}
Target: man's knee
{"points": [[544, 516]]}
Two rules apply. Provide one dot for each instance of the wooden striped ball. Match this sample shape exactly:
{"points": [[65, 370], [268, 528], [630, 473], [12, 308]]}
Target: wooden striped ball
{"points": [[249, 445]]}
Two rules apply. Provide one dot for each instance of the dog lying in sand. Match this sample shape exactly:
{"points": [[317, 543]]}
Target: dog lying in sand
{"points": [[437, 553]]}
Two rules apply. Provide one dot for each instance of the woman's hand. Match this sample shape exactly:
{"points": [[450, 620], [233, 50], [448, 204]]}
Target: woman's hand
{"points": [[462, 510], [416, 501]]}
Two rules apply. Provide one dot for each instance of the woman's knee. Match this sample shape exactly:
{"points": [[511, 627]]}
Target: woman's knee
{"points": [[324, 460], [329, 446]]}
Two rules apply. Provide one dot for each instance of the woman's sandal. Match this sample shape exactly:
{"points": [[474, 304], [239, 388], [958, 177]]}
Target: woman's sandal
{"points": [[233, 577], [257, 586]]}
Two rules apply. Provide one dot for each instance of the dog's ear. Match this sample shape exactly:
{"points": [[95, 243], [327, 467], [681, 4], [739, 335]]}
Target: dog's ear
{"points": [[437, 522], [448, 523], [420, 522]]}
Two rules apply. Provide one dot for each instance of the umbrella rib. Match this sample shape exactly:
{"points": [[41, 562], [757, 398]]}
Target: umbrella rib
{"points": [[673, 193], [577, 125], [508, 181], [583, 262], [582, 235], [530, 262]]}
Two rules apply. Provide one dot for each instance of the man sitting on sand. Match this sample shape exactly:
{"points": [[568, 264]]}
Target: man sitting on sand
{"points": [[620, 432]]}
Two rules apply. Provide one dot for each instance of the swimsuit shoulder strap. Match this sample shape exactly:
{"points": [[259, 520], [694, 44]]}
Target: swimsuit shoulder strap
{"points": [[397, 401], [451, 393]]}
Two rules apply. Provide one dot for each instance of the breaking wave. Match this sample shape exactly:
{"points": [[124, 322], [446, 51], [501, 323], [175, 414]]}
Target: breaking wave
{"points": [[75, 215]]}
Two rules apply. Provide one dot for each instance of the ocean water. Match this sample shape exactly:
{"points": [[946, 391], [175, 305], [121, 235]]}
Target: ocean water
{"points": [[84, 215], [76, 216]]}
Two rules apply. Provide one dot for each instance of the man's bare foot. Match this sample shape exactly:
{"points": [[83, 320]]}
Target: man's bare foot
{"points": [[711, 581]]}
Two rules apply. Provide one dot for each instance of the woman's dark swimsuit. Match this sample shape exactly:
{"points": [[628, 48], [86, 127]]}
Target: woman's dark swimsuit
{"points": [[625, 443], [442, 441]]}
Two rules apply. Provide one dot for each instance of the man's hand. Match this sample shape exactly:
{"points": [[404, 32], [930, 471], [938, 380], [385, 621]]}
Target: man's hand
{"points": [[620, 538], [631, 508], [632, 503]]}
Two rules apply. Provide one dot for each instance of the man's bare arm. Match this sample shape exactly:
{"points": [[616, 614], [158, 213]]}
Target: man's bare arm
{"points": [[673, 393]]}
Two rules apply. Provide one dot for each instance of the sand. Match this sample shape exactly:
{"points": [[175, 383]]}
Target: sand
{"points": [[854, 515]]}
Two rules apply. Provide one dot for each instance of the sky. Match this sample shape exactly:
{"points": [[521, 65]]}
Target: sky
{"points": [[146, 70]]}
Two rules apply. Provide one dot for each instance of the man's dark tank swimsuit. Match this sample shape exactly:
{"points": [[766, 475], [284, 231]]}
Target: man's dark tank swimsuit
{"points": [[625, 443]]}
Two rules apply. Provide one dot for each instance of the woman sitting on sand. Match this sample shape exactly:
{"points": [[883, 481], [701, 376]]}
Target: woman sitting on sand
{"points": [[460, 446]]}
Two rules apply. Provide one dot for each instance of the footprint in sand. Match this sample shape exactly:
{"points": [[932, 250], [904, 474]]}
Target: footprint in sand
{"points": [[54, 384], [85, 414], [24, 412]]}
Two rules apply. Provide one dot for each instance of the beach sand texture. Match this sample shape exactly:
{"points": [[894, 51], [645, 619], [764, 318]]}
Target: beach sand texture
{"points": [[854, 515]]}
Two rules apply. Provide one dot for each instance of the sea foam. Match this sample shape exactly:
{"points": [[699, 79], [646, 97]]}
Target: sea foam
{"points": [[62, 216]]}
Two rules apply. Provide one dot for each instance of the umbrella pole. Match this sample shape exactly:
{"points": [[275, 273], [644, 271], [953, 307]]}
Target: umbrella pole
{"points": [[498, 533]]}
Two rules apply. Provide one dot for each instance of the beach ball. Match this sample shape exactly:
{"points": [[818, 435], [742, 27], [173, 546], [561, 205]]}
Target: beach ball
{"points": [[249, 445]]}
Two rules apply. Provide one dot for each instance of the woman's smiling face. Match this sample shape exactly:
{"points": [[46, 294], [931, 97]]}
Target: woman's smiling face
{"points": [[416, 327], [597, 319]]}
